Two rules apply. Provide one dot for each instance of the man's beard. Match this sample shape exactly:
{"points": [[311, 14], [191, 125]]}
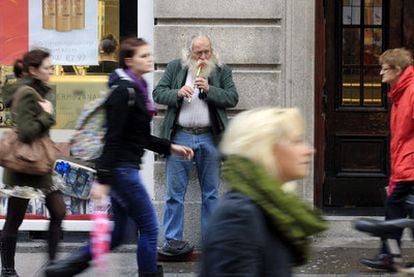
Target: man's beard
{"points": [[207, 69]]}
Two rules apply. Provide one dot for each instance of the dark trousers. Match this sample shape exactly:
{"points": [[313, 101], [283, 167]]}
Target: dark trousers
{"points": [[395, 207]]}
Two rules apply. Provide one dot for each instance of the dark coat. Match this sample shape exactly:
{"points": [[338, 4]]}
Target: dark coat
{"points": [[31, 122], [239, 241], [129, 130]]}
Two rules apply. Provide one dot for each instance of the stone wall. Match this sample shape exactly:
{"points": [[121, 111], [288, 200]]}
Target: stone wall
{"points": [[269, 44]]}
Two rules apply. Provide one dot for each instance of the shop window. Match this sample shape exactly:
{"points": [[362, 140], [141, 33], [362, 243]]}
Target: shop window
{"points": [[74, 85]]}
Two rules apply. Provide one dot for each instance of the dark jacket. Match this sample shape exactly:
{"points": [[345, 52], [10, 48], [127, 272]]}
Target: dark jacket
{"points": [[129, 130], [239, 241], [31, 122], [222, 95]]}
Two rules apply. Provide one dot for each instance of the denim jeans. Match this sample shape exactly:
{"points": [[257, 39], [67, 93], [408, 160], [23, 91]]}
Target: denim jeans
{"points": [[207, 161], [130, 199]]}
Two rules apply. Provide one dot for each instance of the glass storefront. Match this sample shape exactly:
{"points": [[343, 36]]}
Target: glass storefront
{"points": [[74, 85]]}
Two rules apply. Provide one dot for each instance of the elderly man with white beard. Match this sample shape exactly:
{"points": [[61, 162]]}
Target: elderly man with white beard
{"points": [[197, 89]]}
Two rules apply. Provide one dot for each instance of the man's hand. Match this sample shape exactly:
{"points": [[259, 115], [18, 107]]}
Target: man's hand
{"points": [[202, 83], [99, 192], [185, 91], [183, 151]]}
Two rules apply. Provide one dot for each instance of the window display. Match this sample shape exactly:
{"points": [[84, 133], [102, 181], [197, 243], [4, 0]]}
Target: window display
{"points": [[73, 31]]}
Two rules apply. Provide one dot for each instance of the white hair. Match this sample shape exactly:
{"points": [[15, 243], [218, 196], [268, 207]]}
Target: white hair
{"points": [[254, 133], [187, 51]]}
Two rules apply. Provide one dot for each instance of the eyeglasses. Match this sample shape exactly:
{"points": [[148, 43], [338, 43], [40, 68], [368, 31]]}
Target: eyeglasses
{"points": [[200, 53], [386, 69]]}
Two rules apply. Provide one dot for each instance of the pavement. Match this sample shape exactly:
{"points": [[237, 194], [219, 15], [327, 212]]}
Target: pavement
{"points": [[331, 259]]}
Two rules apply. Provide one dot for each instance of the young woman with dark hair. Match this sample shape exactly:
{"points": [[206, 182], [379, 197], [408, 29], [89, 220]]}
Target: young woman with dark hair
{"points": [[128, 134], [33, 119]]}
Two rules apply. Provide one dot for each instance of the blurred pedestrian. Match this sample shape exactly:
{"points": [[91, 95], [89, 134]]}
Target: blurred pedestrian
{"points": [[397, 71], [128, 134], [260, 228], [33, 119]]}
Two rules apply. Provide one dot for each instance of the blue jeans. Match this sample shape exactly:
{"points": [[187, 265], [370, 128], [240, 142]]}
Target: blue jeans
{"points": [[178, 169], [130, 199]]}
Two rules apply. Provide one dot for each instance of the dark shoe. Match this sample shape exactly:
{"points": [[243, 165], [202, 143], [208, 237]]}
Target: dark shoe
{"points": [[175, 248], [382, 261], [72, 265], [8, 272], [159, 273]]}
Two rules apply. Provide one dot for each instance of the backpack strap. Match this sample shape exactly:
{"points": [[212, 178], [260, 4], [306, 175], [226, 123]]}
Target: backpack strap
{"points": [[131, 97]]}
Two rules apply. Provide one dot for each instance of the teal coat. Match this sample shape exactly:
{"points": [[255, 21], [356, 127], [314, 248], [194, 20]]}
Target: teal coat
{"points": [[222, 94], [31, 122]]}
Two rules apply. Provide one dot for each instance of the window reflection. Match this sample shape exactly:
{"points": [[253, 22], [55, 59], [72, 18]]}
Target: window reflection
{"points": [[351, 86], [362, 43], [108, 24], [351, 12], [372, 87], [373, 12], [372, 45], [351, 46], [74, 85]]}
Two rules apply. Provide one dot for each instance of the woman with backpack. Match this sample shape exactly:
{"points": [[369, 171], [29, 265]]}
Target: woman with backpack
{"points": [[128, 134], [33, 119]]}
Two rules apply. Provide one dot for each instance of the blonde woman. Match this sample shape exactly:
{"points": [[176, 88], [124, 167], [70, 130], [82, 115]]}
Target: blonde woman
{"points": [[259, 229]]}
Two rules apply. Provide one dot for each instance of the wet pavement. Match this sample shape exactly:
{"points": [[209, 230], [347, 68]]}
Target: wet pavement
{"points": [[335, 260]]}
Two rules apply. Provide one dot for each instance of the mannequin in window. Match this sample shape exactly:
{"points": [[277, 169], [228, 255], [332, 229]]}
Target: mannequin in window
{"points": [[107, 49]]}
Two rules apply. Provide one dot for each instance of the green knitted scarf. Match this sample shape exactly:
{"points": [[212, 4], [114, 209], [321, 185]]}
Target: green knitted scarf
{"points": [[293, 219]]}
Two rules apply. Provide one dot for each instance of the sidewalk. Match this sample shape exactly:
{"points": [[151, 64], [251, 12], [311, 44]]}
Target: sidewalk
{"points": [[123, 264], [335, 261]]}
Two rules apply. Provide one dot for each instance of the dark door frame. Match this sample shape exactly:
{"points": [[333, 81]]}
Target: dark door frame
{"points": [[128, 19], [320, 102]]}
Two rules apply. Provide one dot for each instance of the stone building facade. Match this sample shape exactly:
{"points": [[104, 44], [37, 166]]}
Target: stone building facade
{"points": [[270, 46]]}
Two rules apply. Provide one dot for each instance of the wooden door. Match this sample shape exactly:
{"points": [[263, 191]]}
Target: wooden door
{"points": [[352, 114], [356, 106]]}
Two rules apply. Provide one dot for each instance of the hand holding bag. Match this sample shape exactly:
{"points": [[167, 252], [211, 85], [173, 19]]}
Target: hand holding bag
{"points": [[36, 157]]}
